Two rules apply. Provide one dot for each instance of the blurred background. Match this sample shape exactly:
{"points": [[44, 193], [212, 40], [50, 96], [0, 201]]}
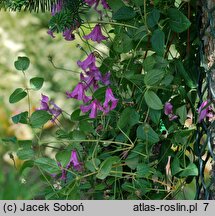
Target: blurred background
{"points": [[25, 34]]}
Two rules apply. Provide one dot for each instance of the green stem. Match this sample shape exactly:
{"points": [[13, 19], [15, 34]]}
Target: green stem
{"points": [[103, 141], [114, 23], [145, 16]]}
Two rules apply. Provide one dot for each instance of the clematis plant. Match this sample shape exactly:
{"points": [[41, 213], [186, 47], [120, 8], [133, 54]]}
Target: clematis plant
{"points": [[168, 110], [48, 105], [205, 110], [96, 35]]}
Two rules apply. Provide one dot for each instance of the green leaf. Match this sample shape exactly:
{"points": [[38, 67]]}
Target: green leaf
{"points": [[178, 22], [27, 144], [36, 83], [138, 2], [153, 77], [78, 135], [149, 63], [153, 18], [17, 95], [180, 68], [85, 126], [22, 63], [25, 154], [20, 118], [190, 170], [106, 167], [175, 166], [75, 115], [47, 164], [115, 5], [135, 154], [167, 80], [141, 34], [158, 41], [124, 13], [129, 117], [143, 170], [39, 118], [26, 164], [99, 94], [63, 157], [155, 115], [182, 113], [92, 164], [122, 43], [129, 187], [146, 133], [152, 100]]}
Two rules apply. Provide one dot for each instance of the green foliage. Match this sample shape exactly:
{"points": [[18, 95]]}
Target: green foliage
{"points": [[152, 100], [39, 118], [178, 22], [129, 150], [17, 95], [22, 63], [36, 83]]}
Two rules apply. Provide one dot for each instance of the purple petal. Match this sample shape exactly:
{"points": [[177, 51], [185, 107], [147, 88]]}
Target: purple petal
{"points": [[172, 117], [68, 35], [168, 108], [203, 111], [109, 98], [51, 33], [89, 62], [85, 109], [96, 34], [105, 4]]}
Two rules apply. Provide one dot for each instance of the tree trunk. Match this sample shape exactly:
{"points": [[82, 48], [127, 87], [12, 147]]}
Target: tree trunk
{"points": [[208, 22]]}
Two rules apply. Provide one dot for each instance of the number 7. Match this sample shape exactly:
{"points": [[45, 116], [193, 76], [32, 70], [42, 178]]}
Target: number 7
{"points": [[206, 205]]}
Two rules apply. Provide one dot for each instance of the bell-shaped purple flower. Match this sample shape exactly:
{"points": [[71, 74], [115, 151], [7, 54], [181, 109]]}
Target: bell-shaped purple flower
{"points": [[96, 2], [96, 34], [88, 63], [89, 81], [74, 161], [51, 33], [94, 107], [105, 4], [68, 35], [204, 111], [168, 110], [110, 102], [79, 93], [48, 105]]}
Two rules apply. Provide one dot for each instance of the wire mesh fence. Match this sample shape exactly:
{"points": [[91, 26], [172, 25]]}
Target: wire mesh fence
{"points": [[206, 130]]}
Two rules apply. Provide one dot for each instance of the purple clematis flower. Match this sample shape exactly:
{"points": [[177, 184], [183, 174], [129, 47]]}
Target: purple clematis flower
{"points": [[79, 93], [109, 98], [89, 81], [68, 35], [168, 110], [94, 107], [50, 106], [74, 161], [51, 33], [204, 111], [89, 62], [96, 34], [96, 2], [105, 4]]}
